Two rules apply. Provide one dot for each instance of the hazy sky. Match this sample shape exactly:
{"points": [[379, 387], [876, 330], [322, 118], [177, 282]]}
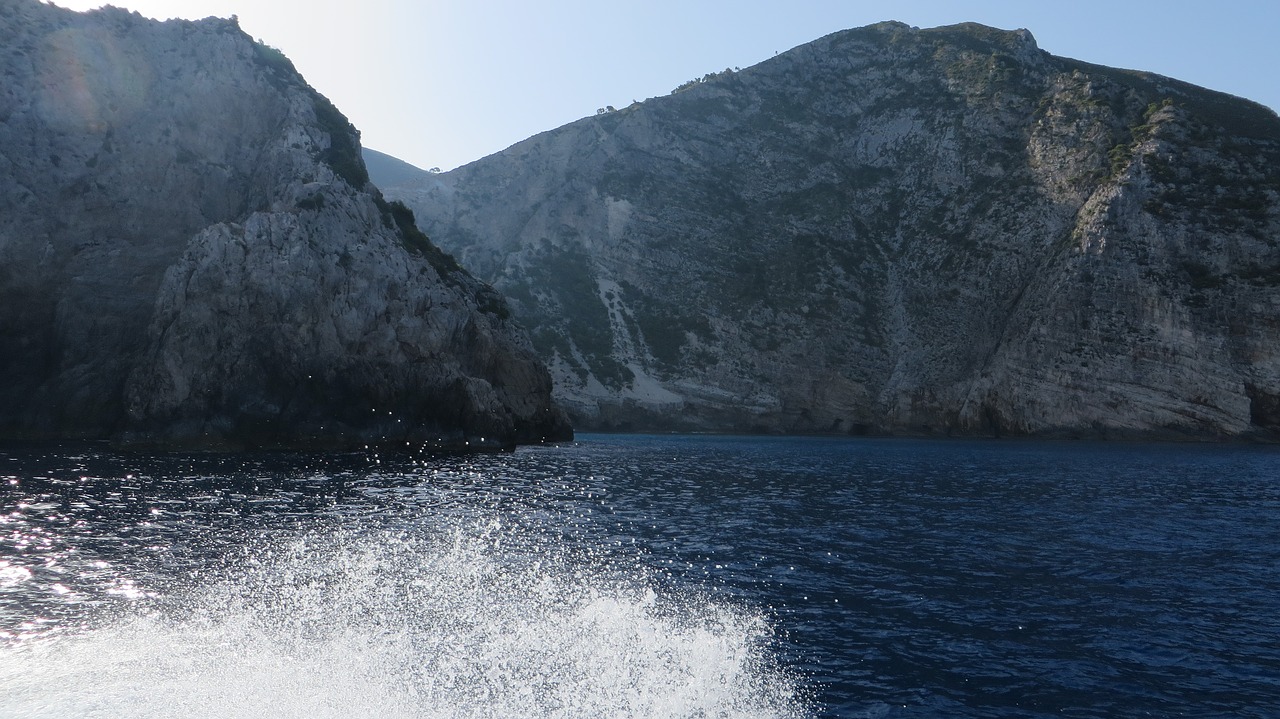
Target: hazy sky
{"points": [[444, 82]]}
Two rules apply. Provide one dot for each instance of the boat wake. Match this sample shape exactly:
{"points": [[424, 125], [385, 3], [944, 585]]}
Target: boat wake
{"points": [[472, 620]]}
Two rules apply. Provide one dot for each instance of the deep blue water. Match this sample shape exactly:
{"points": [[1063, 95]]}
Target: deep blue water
{"points": [[645, 576]]}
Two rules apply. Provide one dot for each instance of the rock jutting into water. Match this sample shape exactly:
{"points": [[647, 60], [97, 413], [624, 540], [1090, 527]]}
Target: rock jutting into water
{"points": [[191, 254], [895, 230]]}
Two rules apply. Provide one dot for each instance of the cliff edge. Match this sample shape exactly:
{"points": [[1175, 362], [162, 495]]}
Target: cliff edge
{"points": [[191, 254]]}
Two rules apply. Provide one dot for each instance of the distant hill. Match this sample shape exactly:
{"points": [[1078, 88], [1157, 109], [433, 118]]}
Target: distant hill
{"points": [[389, 170], [895, 230], [191, 254]]}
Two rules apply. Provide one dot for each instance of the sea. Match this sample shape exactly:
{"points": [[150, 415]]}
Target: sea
{"points": [[644, 576]]}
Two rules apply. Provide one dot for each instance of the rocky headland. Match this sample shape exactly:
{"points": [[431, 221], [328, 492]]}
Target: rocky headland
{"points": [[894, 230], [191, 254]]}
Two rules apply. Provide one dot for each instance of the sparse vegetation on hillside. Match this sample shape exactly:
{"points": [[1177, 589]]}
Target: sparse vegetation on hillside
{"points": [[343, 153], [705, 78], [397, 216], [274, 60]]}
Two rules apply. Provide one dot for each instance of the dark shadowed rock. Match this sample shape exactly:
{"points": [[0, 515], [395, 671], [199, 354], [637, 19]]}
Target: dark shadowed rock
{"points": [[895, 230], [191, 254]]}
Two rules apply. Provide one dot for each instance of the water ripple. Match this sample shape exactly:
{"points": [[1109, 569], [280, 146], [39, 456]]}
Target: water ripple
{"points": [[890, 578]]}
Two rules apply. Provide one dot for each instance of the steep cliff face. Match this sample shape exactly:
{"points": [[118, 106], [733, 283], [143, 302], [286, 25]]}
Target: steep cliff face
{"points": [[895, 230], [191, 253]]}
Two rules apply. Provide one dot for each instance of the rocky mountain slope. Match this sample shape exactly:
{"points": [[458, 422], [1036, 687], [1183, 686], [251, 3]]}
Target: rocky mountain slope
{"points": [[895, 230], [191, 254]]}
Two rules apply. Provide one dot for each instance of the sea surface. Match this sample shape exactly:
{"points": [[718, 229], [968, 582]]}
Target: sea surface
{"points": [[645, 576]]}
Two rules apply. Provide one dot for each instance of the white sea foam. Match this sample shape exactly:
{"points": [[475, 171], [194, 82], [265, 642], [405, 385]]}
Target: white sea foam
{"points": [[478, 620]]}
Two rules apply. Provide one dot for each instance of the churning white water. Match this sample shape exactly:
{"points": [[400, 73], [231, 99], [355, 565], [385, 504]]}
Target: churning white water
{"points": [[474, 619]]}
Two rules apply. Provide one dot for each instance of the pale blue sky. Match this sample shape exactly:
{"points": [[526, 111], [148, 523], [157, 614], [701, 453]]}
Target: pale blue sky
{"points": [[444, 82]]}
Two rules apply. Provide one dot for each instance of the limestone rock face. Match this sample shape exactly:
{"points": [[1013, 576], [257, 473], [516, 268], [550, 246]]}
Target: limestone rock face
{"points": [[191, 254], [895, 230]]}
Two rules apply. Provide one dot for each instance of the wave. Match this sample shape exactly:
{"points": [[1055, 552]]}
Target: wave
{"points": [[476, 619]]}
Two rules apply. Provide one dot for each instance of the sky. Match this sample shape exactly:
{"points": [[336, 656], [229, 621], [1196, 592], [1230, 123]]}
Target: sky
{"points": [[439, 83]]}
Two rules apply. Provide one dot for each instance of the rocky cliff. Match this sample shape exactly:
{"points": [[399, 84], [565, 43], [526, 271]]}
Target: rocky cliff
{"points": [[191, 254], [895, 230]]}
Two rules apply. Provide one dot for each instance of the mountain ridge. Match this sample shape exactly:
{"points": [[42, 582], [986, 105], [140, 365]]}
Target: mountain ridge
{"points": [[892, 230]]}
